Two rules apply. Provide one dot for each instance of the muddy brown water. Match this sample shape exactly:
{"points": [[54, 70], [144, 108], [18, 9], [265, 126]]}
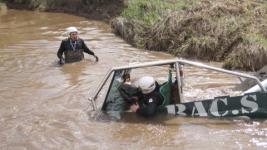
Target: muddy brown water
{"points": [[44, 106]]}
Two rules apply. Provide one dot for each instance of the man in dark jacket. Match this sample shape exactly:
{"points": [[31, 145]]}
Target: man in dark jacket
{"points": [[151, 99], [128, 91], [73, 48]]}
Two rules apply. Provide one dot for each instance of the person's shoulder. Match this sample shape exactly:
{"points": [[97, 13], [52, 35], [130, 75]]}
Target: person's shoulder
{"points": [[65, 40], [79, 39]]}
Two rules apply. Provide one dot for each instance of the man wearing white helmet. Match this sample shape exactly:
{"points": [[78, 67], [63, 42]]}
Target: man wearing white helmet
{"points": [[73, 48], [151, 98]]}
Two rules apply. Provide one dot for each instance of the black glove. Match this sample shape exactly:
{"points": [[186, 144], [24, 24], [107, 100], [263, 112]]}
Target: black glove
{"points": [[96, 58], [61, 61]]}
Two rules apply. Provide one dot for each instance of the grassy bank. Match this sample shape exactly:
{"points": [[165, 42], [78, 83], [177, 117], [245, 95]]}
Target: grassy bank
{"points": [[151, 11], [231, 31]]}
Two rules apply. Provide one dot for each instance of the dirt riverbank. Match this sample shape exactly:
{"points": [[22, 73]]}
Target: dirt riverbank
{"points": [[230, 31], [93, 9]]}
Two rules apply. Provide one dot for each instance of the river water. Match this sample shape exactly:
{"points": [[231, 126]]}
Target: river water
{"points": [[45, 106]]}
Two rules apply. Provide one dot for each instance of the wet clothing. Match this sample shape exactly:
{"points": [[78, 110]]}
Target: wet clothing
{"points": [[128, 92], [114, 103], [73, 50], [149, 103]]}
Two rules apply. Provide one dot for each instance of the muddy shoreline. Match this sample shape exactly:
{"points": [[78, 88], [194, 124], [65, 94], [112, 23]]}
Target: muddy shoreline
{"points": [[229, 31], [92, 9]]}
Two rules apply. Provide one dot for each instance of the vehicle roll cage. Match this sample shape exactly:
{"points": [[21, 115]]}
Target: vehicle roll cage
{"points": [[177, 63]]}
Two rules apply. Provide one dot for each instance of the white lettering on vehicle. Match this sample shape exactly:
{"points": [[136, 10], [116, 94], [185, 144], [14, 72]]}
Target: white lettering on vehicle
{"points": [[171, 109], [250, 105], [200, 109], [180, 109], [214, 107]]}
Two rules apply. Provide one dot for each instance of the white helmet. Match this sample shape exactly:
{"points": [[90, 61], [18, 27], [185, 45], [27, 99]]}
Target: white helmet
{"points": [[71, 29], [147, 84]]}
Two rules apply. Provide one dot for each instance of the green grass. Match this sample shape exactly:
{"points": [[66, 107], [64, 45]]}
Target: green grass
{"points": [[211, 30], [257, 38], [150, 11], [264, 5]]}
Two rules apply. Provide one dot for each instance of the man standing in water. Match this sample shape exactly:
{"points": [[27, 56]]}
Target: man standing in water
{"points": [[73, 48]]}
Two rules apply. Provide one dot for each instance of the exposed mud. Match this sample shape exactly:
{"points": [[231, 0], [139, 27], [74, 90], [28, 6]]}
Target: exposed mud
{"points": [[230, 31], [93, 9]]}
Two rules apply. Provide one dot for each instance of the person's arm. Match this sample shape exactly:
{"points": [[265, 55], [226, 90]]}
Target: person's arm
{"points": [[60, 52], [124, 95], [128, 93], [88, 51]]}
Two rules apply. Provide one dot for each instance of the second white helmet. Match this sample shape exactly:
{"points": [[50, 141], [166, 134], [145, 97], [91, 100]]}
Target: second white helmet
{"points": [[147, 84]]}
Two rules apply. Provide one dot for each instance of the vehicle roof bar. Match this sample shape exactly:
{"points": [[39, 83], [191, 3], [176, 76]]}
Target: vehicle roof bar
{"points": [[224, 71], [165, 62]]}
